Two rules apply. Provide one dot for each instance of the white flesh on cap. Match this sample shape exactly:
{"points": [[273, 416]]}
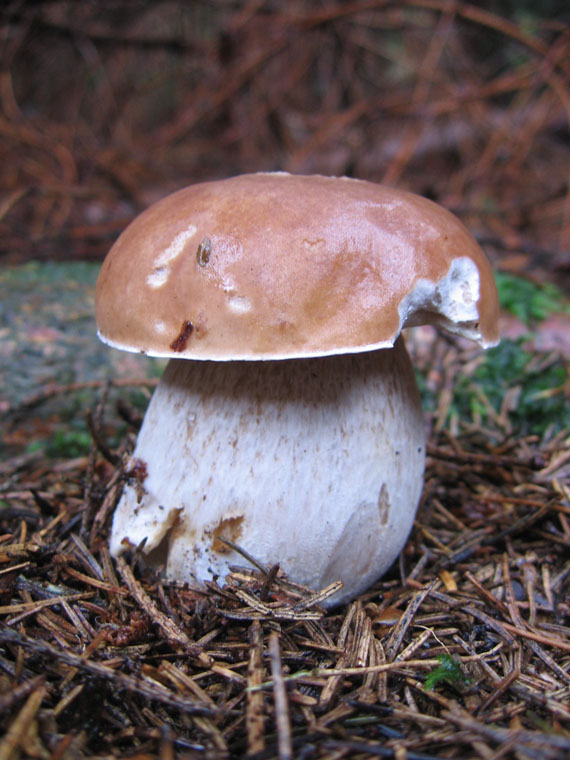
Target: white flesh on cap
{"points": [[315, 464]]}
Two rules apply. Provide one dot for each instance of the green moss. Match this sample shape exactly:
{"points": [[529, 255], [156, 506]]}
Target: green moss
{"points": [[448, 671], [63, 444], [528, 301], [542, 401], [537, 386]]}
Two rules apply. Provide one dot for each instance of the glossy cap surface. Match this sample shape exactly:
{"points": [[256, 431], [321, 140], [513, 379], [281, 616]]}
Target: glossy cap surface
{"points": [[277, 266]]}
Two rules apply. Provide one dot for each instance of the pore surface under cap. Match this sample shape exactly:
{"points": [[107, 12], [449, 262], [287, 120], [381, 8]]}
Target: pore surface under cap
{"points": [[268, 266]]}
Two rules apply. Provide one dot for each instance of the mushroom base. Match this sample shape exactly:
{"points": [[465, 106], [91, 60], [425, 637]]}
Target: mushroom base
{"points": [[314, 464]]}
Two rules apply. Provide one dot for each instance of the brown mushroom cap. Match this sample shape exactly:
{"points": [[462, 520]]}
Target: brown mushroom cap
{"points": [[266, 266]]}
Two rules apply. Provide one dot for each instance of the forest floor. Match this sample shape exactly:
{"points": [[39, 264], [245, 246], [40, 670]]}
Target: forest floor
{"points": [[464, 647], [462, 650]]}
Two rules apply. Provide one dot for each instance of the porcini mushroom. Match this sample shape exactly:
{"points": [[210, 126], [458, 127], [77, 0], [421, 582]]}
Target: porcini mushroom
{"points": [[288, 419]]}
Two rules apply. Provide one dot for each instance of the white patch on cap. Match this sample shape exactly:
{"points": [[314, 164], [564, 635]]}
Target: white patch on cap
{"points": [[450, 303], [161, 272], [239, 304], [158, 277], [159, 326]]}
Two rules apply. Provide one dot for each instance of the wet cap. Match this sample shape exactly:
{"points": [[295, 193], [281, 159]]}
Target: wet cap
{"points": [[279, 266]]}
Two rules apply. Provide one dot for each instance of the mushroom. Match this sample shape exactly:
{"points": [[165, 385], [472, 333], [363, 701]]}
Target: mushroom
{"points": [[288, 419]]}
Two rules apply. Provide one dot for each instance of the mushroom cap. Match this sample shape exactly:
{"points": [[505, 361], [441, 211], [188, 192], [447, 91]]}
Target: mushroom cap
{"points": [[280, 266]]}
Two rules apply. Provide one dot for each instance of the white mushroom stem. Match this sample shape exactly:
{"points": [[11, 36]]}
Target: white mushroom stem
{"points": [[315, 464]]}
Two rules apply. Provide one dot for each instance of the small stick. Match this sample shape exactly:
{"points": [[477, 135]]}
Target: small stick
{"points": [[173, 634], [9, 699], [36, 605], [500, 689], [486, 595], [405, 621], [22, 724], [254, 718], [95, 431], [151, 691], [280, 697], [268, 582], [51, 390], [319, 596], [246, 555]]}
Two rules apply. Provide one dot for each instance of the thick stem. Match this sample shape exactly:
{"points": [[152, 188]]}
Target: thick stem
{"points": [[315, 464]]}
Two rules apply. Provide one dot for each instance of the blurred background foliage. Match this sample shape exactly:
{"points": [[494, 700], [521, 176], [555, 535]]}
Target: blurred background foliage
{"points": [[108, 105]]}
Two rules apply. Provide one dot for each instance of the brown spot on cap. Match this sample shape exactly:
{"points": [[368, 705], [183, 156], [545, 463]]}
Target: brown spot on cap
{"points": [[179, 343], [203, 252]]}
